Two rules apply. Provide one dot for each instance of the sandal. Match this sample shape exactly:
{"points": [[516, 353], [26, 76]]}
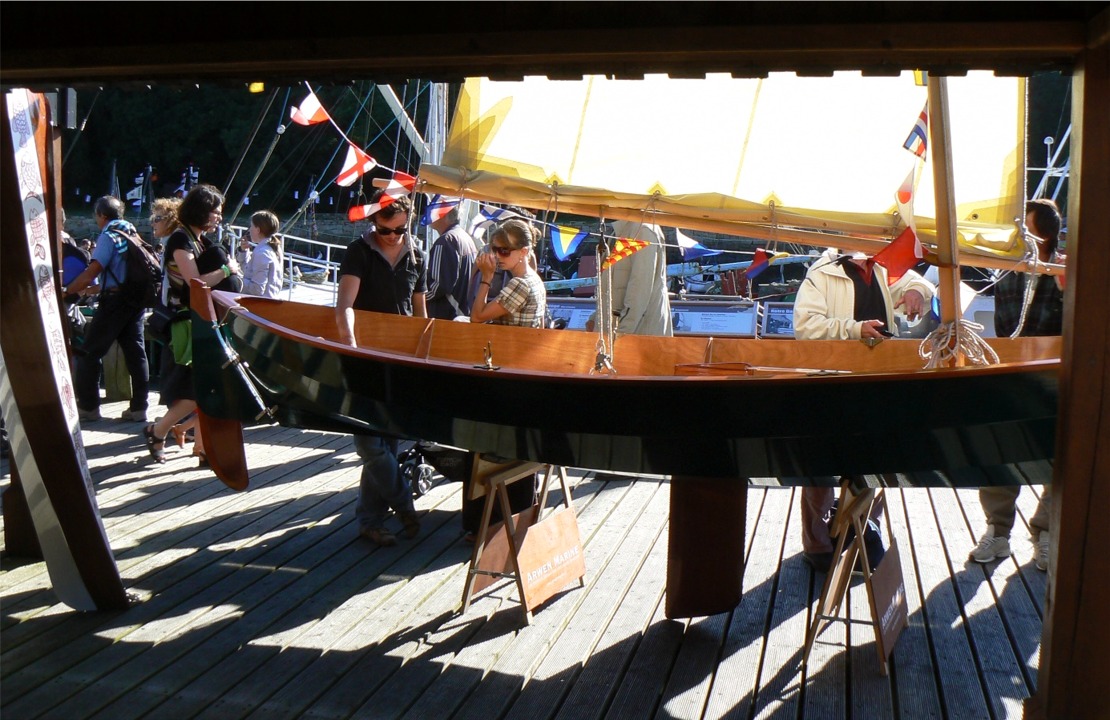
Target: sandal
{"points": [[179, 435], [202, 460], [156, 445]]}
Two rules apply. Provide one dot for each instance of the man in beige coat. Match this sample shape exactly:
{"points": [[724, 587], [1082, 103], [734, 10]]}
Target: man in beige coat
{"points": [[846, 297]]}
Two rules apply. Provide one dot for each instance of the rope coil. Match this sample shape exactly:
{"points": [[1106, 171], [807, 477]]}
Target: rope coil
{"points": [[949, 340]]}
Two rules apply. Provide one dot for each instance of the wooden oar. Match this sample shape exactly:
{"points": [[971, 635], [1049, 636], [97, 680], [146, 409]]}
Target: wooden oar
{"points": [[223, 438]]}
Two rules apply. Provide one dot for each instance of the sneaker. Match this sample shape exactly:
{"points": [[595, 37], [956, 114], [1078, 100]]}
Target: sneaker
{"points": [[1040, 559], [990, 548], [411, 523], [820, 562], [133, 416], [88, 415], [378, 536]]}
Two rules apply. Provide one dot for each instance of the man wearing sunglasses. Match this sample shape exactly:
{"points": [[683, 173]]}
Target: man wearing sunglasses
{"points": [[383, 271]]}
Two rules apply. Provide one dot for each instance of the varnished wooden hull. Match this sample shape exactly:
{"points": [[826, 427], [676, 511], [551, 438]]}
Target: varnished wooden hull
{"points": [[676, 405]]}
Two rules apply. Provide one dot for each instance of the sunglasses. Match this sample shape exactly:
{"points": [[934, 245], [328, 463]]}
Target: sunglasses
{"points": [[502, 251], [391, 231], [158, 218]]}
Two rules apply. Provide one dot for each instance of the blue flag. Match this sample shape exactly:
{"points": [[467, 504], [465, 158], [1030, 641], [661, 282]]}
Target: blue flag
{"points": [[565, 240], [691, 248]]}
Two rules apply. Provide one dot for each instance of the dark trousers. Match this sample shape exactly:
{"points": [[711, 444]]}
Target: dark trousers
{"points": [[114, 321]]}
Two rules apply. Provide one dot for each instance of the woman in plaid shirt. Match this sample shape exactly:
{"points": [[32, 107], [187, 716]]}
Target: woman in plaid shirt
{"points": [[523, 300]]}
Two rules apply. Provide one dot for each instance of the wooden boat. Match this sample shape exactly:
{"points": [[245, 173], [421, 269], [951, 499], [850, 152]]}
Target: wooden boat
{"points": [[766, 408]]}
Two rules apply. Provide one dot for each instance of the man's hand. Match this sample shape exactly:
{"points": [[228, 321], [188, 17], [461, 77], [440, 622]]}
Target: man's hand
{"points": [[871, 329], [913, 302]]}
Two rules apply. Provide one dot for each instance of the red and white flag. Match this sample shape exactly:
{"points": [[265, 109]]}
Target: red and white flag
{"points": [[355, 166], [310, 111], [399, 185], [905, 251]]}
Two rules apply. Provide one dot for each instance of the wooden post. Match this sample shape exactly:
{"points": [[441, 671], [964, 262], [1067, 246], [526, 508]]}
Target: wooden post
{"points": [[1075, 647], [947, 251], [705, 547]]}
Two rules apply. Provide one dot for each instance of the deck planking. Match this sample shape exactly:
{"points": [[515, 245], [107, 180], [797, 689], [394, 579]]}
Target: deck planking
{"points": [[265, 604]]}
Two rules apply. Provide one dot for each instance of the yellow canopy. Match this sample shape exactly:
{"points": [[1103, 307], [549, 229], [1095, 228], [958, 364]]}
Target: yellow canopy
{"points": [[780, 157]]}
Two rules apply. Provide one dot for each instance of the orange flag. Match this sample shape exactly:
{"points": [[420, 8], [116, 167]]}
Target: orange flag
{"points": [[622, 249]]}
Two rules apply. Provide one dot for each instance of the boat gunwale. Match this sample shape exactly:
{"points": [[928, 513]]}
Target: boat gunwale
{"points": [[230, 303]]}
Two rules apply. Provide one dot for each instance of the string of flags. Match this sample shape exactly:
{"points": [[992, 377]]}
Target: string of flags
{"points": [[906, 251], [357, 163]]}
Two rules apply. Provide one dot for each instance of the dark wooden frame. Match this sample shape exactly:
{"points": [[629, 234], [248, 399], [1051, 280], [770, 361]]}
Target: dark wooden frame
{"points": [[45, 49]]}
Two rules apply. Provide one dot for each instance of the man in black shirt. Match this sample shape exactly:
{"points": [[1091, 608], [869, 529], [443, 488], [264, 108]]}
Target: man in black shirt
{"points": [[383, 271]]}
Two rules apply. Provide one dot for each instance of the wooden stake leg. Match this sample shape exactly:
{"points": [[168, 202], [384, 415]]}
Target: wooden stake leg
{"points": [[705, 551]]}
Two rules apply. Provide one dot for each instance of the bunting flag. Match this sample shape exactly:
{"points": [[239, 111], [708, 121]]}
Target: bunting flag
{"points": [[309, 112], [918, 138], [921, 78], [622, 249], [906, 250], [355, 166], [900, 255], [565, 240], [690, 248], [488, 215], [761, 261], [437, 209], [399, 185]]}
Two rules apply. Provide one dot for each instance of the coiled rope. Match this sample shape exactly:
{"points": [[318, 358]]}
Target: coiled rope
{"points": [[950, 340]]}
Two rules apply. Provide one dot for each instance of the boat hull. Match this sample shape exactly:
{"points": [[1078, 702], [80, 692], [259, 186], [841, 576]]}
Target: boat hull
{"points": [[785, 425]]}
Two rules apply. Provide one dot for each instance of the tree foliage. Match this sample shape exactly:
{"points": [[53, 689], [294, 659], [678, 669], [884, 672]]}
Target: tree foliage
{"points": [[169, 127]]}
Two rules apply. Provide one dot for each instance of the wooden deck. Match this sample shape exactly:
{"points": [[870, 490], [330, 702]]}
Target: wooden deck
{"points": [[265, 604]]}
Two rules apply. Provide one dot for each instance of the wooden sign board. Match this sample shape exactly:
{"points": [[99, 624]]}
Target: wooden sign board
{"points": [[549, 555], [889, 600]]}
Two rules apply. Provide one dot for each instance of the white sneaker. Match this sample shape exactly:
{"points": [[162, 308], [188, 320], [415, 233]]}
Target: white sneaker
{"points": [[990, 548], [1040, 559]]}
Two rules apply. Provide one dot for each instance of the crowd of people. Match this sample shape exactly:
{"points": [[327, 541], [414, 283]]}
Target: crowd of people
{"points": [[385, 269]]}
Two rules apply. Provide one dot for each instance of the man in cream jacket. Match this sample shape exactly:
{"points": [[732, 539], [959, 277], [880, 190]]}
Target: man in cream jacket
{"points": [[846, 297]]}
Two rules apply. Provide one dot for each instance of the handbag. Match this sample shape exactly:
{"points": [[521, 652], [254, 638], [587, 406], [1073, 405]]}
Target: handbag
{"points": [[159, 321]]}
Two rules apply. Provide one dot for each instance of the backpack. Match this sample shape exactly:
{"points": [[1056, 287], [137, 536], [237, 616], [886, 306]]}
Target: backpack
{"points": [[142, 283]]}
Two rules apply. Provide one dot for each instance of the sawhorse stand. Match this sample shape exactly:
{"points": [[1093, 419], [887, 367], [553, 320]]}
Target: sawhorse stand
{"points": [[886, 592], [541, 552]]}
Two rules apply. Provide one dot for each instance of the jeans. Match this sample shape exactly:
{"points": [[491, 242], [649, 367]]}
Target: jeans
{"points": [[114, 321], [381, 486]]}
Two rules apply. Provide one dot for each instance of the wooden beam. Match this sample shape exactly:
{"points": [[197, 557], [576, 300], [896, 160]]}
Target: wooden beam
{"points": [[940, 144], [1076, 639]]}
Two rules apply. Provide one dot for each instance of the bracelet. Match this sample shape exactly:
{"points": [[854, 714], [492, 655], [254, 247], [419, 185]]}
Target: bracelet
{"points": [[226, 270], [484, 282]]}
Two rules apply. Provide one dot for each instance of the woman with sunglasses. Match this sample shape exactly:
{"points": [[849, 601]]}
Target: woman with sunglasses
{"points": [[523, 300]]}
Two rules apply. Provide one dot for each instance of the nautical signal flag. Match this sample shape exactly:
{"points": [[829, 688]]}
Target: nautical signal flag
{"points": [[399, 185], [309, 112], [906, 250], [490, 214], [355, 166], [918, 139], [437, 208], [900, 255], [761, 261], [690, 248], [622, 249], [565, 240]]}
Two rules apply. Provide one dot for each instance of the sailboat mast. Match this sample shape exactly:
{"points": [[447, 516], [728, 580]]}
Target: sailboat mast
{"points": [[940, 143]]}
